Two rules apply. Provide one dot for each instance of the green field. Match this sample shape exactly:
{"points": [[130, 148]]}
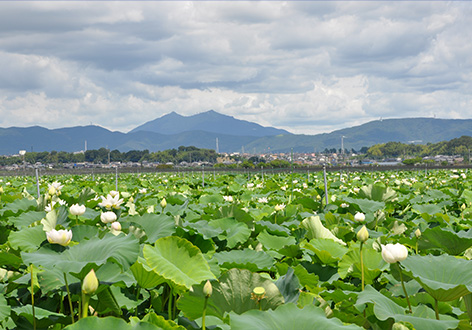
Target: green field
{"points": [[237, 251]]}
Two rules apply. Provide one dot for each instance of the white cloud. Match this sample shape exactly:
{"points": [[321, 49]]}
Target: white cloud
{"points": [[308, 67]]}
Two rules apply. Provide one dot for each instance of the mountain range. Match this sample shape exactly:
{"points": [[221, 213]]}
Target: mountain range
{"points": [[214, 130]]}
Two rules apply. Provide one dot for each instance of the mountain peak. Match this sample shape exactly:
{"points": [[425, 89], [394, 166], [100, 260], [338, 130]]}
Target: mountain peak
{"points": [[209, 121]]}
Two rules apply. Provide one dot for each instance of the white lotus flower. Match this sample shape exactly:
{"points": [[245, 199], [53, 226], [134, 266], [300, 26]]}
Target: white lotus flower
{"points": [[279, 207], [262, 200], [62, 237], [393, 253], [108, 217], [55, 188], [114, 193], [77, 209], [359, 217], [228, 198], [116, 226], [111, 202]]}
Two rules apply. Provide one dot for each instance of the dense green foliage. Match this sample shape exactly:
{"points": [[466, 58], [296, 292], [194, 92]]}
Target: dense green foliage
{"points": [[277, 252], [104, 156], [459, 146]]}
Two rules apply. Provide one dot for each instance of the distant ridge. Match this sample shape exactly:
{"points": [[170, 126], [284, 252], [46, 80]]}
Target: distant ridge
{"points": [[209, 121], [203, 129]]}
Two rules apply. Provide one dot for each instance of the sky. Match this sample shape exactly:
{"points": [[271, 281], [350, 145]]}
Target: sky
{"points": [[308, 67]]}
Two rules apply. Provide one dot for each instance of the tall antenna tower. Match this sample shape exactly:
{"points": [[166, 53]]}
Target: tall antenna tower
{"points": [[217, 147]]}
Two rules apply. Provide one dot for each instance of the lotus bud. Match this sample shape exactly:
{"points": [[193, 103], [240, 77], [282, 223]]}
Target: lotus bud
{"points": [[463, 207], [62, 237], [1, 190], [90, 284], [399, 326], [359, 217], [393, 253], [207, 289], [116, 226], [77, 209], [108, 217], [163, 203], [418, 233], [52, 191], [363, 234]]}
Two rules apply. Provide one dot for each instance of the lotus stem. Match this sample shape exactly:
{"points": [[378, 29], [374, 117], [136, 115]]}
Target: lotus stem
{"points": [[436, 309], [204, 312], [32, 298], [85, 304], [362, 268], [169, 305], [70, 299], [138, 290], [404, 289]]}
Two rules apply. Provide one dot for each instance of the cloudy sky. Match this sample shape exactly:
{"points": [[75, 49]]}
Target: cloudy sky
{"points": [[308, 67]]}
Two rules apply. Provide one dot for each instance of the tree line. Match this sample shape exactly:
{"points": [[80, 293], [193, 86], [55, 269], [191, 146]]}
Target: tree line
{"points": [[458, 146], [105, 156]]}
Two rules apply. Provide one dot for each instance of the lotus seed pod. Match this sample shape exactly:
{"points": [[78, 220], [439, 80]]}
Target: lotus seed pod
{"points": [[258, 291]]}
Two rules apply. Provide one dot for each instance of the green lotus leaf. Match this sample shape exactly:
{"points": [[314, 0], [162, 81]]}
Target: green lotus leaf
{"points": [[427, 208], [350, 264], [234, 232], [82, 232], [93, 322], [232, 292], [274, 242], [40, 313], [444, 277], [18, 206], [5, 309], [377, 192], [120, 249], [366, 205], [154, 225], [146, 278], [25, 219], [327, 250], [287, 316], [289, 286], [248, 259], [10, 259], [27, 239], [178, 261], [315, 229], [207, 199], [157, 320], [203, 227], [446, 240], [384, 308]]}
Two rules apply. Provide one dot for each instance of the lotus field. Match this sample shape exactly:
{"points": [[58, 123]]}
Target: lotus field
{"points": [[381, 250]]}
